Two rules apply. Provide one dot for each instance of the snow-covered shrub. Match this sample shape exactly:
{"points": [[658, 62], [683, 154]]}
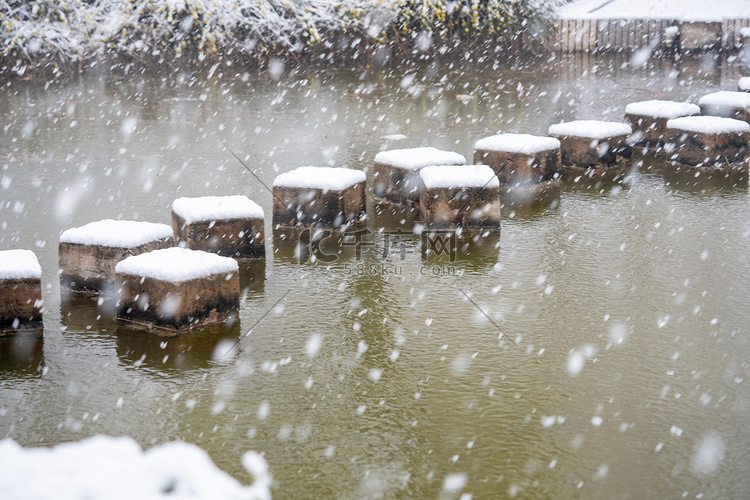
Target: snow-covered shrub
{"points": [[50, 34]]}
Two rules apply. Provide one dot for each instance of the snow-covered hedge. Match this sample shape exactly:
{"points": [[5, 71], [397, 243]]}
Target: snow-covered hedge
{"points": [[70, 34]]}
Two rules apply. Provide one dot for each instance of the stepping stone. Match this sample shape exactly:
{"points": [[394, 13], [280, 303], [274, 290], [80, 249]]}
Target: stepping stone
{"points": [[519, 158], [225, 225], [466, 196], [707, 140], [396, 175], [20, 291], [589, 143], [649, 118], [177, 288], [726, 104], [321, 197], [87, 255]]}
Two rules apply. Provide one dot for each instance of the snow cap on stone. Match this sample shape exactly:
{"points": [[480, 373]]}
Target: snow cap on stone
{"points": [[116, 233], [708, 124], [416, 158], [662, 109], [176, 265], [517, 143], [590, 129], [210, 208], [19, 264], [726, 98], [325, 178], [469, 176]]}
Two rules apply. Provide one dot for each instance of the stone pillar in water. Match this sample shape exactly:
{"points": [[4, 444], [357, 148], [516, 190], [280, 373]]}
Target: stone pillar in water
{"points": [[396, 173], [176, 289], [87, 255], [465, 196], [319, 197], [20, 292], [225, 225]]}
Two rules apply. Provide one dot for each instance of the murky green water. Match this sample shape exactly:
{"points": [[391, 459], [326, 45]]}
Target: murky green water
{"points": [[377, 378]]}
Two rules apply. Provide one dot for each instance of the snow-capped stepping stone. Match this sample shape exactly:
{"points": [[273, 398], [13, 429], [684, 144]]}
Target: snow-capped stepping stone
{"points": [[87, 255], [396, 172], [324, 197], [588, 143], [726, 104], [466, 196], [649, 118], [20, 291], [226, 225], [519, 158], [708, 140], [177, 288]]}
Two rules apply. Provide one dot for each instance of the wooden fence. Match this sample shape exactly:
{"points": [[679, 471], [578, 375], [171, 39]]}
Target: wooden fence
{"points": [[590, 35], [730, 32]]}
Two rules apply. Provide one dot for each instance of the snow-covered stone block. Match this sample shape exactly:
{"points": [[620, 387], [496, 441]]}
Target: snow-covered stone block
{"points": [[727, 104], [744, 84], [707, 140], [588, 143], [177, 288], [396, 172], [20, 291], [649, 118], [323, 197], [466, 196], [87, 255], [225, 225], [519, 158]]}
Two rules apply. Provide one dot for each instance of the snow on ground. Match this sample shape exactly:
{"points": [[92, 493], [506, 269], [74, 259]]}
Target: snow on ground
{"points": [[209, 208], [176, 264], [416, 158], [325, 178], [108, 468], [444, 176], [591, 129], [726, 98], [19, 264], [678, 10], [708, 124], [662, 109], [116, 233], [517, 143]]}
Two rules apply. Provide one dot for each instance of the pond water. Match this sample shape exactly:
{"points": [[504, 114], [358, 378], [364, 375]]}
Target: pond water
{"points": [[375, 376]]}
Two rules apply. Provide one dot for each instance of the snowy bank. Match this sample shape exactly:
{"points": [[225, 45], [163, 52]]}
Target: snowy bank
{"points": [[107, 468]]}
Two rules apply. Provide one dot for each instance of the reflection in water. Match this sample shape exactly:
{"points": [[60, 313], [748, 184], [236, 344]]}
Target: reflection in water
{"points": [[190, 350], [83, 312], [252, 277], [22, 353]]}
